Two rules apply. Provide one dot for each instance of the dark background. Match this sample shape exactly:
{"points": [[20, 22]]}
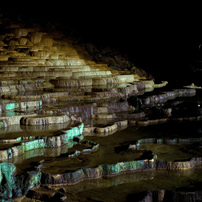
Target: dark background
{"points": [[162, 39]]}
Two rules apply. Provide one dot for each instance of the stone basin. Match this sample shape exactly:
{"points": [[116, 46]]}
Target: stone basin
{"points": [[49, 81], [166, 152], [126, 187], [23, 144]]}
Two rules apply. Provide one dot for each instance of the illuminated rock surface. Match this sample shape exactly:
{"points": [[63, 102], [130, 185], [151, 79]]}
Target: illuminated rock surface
{"points": [[58, 107]]}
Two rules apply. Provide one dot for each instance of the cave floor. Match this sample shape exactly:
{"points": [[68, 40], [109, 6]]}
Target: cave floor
{"points": [[113, 149], [128, 187]]}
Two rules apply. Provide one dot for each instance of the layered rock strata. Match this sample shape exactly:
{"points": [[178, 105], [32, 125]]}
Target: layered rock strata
{"points": [[39, 142], [39, 177], [46, 85], [163, 97]]}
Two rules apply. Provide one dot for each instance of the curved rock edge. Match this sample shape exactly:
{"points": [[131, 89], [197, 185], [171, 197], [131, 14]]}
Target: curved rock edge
{"points": [[41, 142], [15, 188]]}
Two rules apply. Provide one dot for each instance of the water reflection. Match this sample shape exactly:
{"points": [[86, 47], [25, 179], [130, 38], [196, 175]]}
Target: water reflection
{"points": [[129, 187]]}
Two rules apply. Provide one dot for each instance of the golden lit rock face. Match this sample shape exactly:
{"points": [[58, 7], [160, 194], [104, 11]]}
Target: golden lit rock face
{"points": [[30, 52], [40, 69], [52, 95]]}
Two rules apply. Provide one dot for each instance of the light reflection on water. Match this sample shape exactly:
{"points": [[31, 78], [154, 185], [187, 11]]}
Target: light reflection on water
{"points": [[127, 187], [123, 187]]}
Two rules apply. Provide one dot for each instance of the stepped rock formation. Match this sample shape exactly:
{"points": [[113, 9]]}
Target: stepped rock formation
{"points": [[47, 58], [52, 95], [40, 71], [47, 84]]}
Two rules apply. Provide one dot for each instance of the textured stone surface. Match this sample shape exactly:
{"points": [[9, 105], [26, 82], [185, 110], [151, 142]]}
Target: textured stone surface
{"points": [[41, 142], [115, 169], [165, 96], [46, 82], [7, 179], [106, 130], [12, 119], [44, 120]]}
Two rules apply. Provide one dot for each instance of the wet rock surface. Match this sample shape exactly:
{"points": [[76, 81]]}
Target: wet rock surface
{"points": [[67, 119], [168, 195]]}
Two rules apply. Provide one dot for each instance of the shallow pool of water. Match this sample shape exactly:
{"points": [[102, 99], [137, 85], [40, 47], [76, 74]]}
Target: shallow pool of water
{"points": [[131, 187], [114, 148], [128, 187]]}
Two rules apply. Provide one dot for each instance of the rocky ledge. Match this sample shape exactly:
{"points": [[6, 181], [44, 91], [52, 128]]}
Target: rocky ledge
{"points": [[52, 95]]}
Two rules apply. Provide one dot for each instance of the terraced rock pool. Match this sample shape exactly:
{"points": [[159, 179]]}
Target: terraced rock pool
{"points": [[112, 155], [170, 142], [133, 187]]}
